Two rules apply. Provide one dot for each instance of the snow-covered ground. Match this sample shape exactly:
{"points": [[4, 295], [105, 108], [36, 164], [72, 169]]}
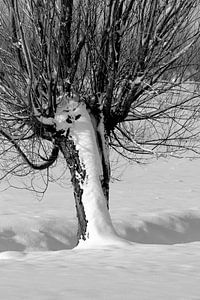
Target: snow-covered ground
{"points": [[156, 207]]}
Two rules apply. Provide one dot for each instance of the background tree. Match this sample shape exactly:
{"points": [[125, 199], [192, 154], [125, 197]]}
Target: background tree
{"points": [[79, 77]]}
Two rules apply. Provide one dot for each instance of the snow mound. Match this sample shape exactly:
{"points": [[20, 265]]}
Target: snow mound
{"points": [[54, 233], [161, 228], [36, 233]]}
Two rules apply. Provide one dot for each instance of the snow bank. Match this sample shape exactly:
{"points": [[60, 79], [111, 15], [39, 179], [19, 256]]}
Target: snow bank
{"points": [[52, 233], [162, 228], [20, 233]]}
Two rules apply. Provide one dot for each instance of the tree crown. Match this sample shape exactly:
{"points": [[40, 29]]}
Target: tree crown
{"points": [[130, 60]]}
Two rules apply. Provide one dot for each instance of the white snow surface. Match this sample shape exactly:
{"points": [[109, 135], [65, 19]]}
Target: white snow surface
{"points": [[156, 207]]}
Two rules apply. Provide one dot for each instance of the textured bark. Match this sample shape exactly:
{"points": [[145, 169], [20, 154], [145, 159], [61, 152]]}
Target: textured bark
{"points": [[105, 180], [78, 176]]}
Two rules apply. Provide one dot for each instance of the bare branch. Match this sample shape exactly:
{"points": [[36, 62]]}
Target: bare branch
{"points": [[53, 157]]}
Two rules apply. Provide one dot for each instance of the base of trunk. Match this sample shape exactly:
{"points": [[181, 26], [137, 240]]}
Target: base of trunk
{"points": [[103, 242]]}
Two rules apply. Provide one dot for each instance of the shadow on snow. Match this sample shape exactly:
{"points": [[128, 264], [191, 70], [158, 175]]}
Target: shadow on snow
{"points": [[162, 229], [58, 234]]}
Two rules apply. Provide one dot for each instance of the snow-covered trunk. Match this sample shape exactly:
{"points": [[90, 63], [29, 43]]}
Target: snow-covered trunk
{"points": [[85, 149]]}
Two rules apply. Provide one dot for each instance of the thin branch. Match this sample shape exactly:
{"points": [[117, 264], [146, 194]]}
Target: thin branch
{"points": [[51, 160]]}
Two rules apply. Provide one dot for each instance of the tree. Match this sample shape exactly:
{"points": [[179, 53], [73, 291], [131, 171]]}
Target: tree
{"points": [[80, 77]]}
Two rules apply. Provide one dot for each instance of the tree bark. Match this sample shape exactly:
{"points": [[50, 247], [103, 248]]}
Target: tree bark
{"points": [[84, 147], [73, 162]]}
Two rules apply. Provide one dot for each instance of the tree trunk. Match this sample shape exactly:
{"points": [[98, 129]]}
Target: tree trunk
{"points": [[84, 147]]}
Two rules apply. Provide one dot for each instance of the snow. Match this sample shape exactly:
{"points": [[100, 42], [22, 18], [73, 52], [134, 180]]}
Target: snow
{"points": [[156, 207]]}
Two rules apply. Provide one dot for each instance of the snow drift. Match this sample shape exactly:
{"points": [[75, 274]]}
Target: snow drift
{"points": [[56, 233]]}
